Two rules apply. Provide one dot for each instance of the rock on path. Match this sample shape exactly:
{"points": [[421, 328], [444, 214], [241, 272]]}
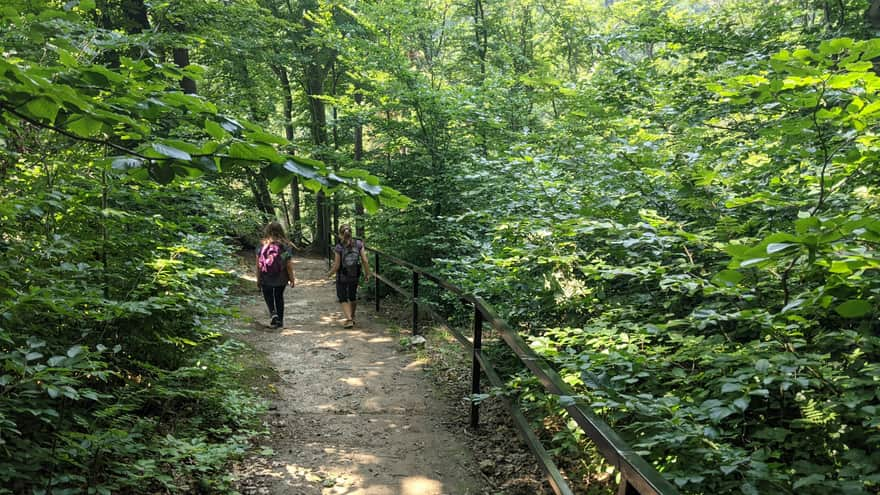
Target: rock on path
{"points": [[353, 415]]}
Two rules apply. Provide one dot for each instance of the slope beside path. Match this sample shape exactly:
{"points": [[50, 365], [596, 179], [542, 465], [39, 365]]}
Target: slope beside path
{"points": [[352, 414]]}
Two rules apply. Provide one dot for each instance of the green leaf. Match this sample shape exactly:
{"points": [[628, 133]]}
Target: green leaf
{"points": [[43, 108], [371, 204], [300, 169], [375, 190], [215, 130], [749, 489], [85, 126], [171, 152], [244, 151], [231, 126], [809, 480], [870, 109], [316, 164], [731, 387], [727, 278], [776, 247], [840, 267], [835, 46], [854, 308], [742, 403], [126, 162], [719, 413], [753, 261], [162, 173], [278, 183], [265, 137]]}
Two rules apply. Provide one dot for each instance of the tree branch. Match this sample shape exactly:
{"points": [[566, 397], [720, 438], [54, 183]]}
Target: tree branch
{"points": [[73, 136]]}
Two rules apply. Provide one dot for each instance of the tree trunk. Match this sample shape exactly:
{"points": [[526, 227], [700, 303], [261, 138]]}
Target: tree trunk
{"points": [[873, 14], [260, 189], [181, 59], [335, 220], [314, 86], [358, 157], [287, 95], [480, 35], [286, 211], [481, 39], [134, 21]]}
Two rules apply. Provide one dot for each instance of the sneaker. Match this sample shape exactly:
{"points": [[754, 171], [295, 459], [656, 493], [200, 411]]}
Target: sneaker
{"points": [[277, 324], [347, 324]]}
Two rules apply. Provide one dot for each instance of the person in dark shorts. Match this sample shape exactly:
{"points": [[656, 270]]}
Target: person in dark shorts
{"points": [[349, 261], [275, 270]]}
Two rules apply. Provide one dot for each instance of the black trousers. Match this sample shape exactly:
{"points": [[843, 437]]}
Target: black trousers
{"points": [[274, 297]]}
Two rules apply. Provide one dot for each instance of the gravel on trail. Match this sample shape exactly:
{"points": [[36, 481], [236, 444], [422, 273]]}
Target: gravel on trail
{"points": [[352, 413]]}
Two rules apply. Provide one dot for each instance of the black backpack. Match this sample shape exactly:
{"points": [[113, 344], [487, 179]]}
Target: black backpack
{"points": [[350, 266]]}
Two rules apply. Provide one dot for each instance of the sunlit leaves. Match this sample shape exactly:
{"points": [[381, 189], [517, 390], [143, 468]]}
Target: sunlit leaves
{"points": [[43, 108], [130, 108]]}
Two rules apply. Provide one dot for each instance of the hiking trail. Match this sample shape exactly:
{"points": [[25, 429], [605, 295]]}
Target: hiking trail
{"points": [[353, 414]]}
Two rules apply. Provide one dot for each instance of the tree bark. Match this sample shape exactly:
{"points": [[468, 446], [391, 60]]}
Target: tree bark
{"points": [[131, 16], [873, 14], [335, 220], [314, 86], [181, 59], [358, 157], [262, 196], [480, 36], [287, 95]]}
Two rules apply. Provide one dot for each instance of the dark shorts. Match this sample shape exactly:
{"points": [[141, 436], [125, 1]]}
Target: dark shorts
{"points": [[346, 292]]}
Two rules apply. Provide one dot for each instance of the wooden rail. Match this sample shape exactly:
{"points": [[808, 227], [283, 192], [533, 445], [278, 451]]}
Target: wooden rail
{"points": [[637, 477]]}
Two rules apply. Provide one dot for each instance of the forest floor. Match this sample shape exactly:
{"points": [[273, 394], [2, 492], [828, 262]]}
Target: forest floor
{"points": [[354, 412]]}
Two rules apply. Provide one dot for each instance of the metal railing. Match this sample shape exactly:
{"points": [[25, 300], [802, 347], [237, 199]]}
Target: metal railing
{"points": [[637, 477]]}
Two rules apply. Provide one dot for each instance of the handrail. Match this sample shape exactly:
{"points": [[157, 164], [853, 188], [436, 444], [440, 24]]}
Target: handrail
{"points": [[637, 475]]}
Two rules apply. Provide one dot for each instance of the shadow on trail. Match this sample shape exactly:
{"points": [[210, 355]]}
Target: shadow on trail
{"points": [[352, 414]]}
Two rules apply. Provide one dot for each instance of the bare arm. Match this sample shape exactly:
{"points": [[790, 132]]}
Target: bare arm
{"points": [[337, 260], [364, 261], [291, 275]]}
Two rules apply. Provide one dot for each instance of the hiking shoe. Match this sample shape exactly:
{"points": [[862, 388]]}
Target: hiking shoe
{"points": [[277, 324], [347, 324]]}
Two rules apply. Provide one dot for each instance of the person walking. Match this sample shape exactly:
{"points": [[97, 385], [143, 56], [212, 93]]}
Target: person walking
{"points": [[349, 260], [275, 270]]}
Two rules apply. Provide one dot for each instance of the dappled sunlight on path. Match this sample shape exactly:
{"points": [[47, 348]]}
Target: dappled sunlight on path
{"points": [[353, 415]]}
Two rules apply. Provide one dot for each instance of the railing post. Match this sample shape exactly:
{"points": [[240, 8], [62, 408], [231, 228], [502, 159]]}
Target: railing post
{"points": [[626, 489], [415, 304], [376, 279], [475, 372]]}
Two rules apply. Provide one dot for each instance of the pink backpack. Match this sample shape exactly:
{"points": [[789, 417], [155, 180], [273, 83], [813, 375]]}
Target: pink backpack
{"points": [[270, 258]]}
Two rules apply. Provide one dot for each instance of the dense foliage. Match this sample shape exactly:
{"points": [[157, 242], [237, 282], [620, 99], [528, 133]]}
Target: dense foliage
{"points": [[115, 373], [674, 200], [677, 201]]}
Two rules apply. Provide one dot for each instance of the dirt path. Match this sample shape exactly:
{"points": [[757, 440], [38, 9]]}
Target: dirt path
{"points": [[353, 414]]}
